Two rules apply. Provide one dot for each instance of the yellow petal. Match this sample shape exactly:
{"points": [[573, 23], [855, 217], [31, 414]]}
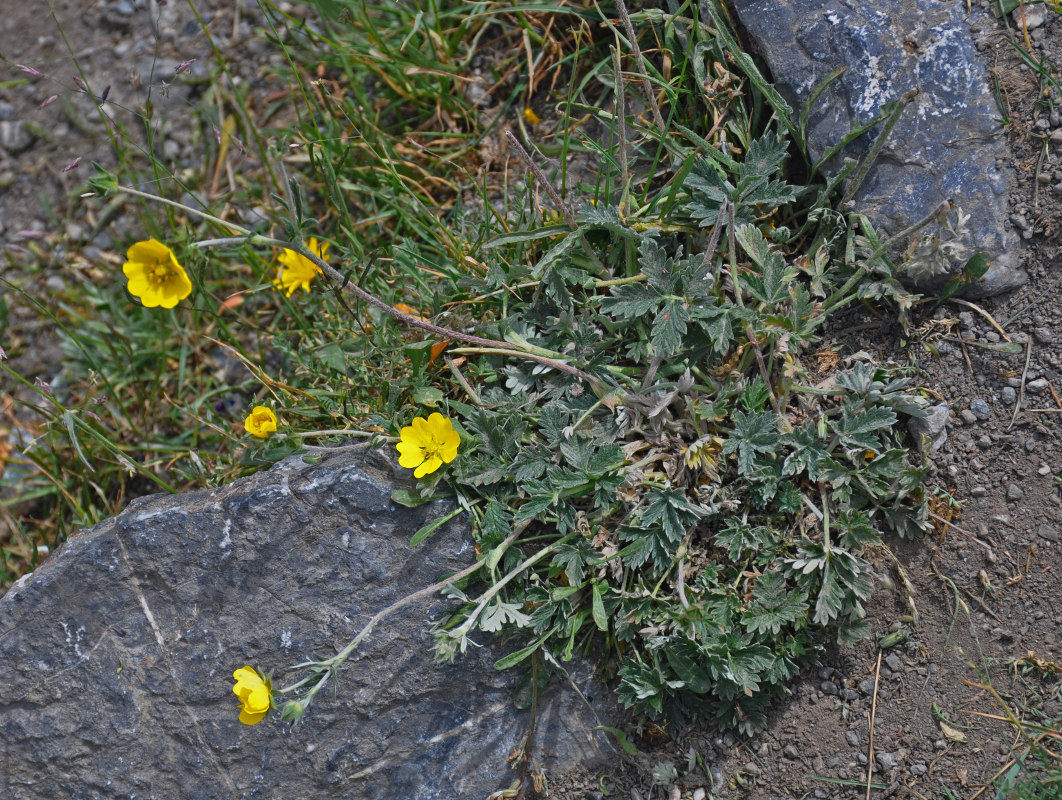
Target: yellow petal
{"points": [[150, 251], [410, 455], [252, 719], [429, 465]]}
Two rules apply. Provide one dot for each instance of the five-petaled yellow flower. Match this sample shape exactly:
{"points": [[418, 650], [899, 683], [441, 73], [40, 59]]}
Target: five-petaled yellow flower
{"points": [[155, 276], [261, 422], [297, 270], [427, 444], [254, 693]]}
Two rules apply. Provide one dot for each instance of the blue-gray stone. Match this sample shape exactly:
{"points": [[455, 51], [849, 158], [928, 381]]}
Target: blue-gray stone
{"points": [[116, 655], [980, 409], [948, 142]]}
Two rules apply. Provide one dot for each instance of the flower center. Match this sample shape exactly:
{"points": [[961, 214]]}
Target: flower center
{"points": [[430, 449], [161, 273]]}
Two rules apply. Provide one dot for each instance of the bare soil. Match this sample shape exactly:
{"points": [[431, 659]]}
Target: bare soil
{"points": [[978, 601]]}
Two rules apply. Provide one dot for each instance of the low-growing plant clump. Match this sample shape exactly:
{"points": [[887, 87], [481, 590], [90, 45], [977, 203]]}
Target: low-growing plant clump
{"points": [[619, 374]]}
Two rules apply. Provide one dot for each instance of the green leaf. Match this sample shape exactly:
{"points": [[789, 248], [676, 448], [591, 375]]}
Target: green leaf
{"points": [[738, 537], [669, 326], [500, 613], [773, 605], [427, 396], [630, 301], [671, 509], [754, 432], [572, 556], [764, 157], [807, 453], [409, 498], [513, 659], [858, 426], [598, 607], [333, 357], [621, 739], [433, 526]]}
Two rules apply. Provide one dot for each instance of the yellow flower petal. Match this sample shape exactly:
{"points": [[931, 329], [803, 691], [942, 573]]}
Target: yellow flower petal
{"points": [[254, 693], [426, 444], [261, 422], [297, 270], [154, 275]]}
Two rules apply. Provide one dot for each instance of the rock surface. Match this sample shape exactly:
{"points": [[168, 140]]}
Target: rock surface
{"points": [[116, 656], [947, 144]]}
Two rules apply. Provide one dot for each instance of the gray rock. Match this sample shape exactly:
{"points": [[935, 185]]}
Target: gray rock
{"points": [[1014, 492], [790, 751], [1008, 395], [15, 136], [968, 416], [866, 686], [946, 143], [116, 656], [934, 426], [886, 761], [1048, 533], [1043, 335], [919, 769], [852, 737], [828, 687], [1038, 385], [894, 662], [1035, 16], [980, 408]]}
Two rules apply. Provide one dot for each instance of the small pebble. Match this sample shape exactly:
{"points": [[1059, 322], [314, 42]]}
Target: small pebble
{"points": [[1038, 385], [828, 687], [980, 408], [1014, 492], [866, 686], [699, 793], [968, 416], [918, 769], [894, 662], [885, 760], [1008, 395], [978, 491], [790, 751], [852, 738], [1043, 335]]}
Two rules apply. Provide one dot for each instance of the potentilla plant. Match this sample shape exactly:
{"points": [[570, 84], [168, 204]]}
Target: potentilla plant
{"points": [[631, 419]]}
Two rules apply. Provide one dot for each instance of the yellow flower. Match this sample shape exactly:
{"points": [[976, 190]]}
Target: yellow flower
{"points": [[531, 116], [255, 694], [155, 276], [427, 444], [260, 422], [297, 270]]}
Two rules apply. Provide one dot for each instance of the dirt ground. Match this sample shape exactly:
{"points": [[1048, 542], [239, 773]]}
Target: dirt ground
{"points": [[977, 602]]}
